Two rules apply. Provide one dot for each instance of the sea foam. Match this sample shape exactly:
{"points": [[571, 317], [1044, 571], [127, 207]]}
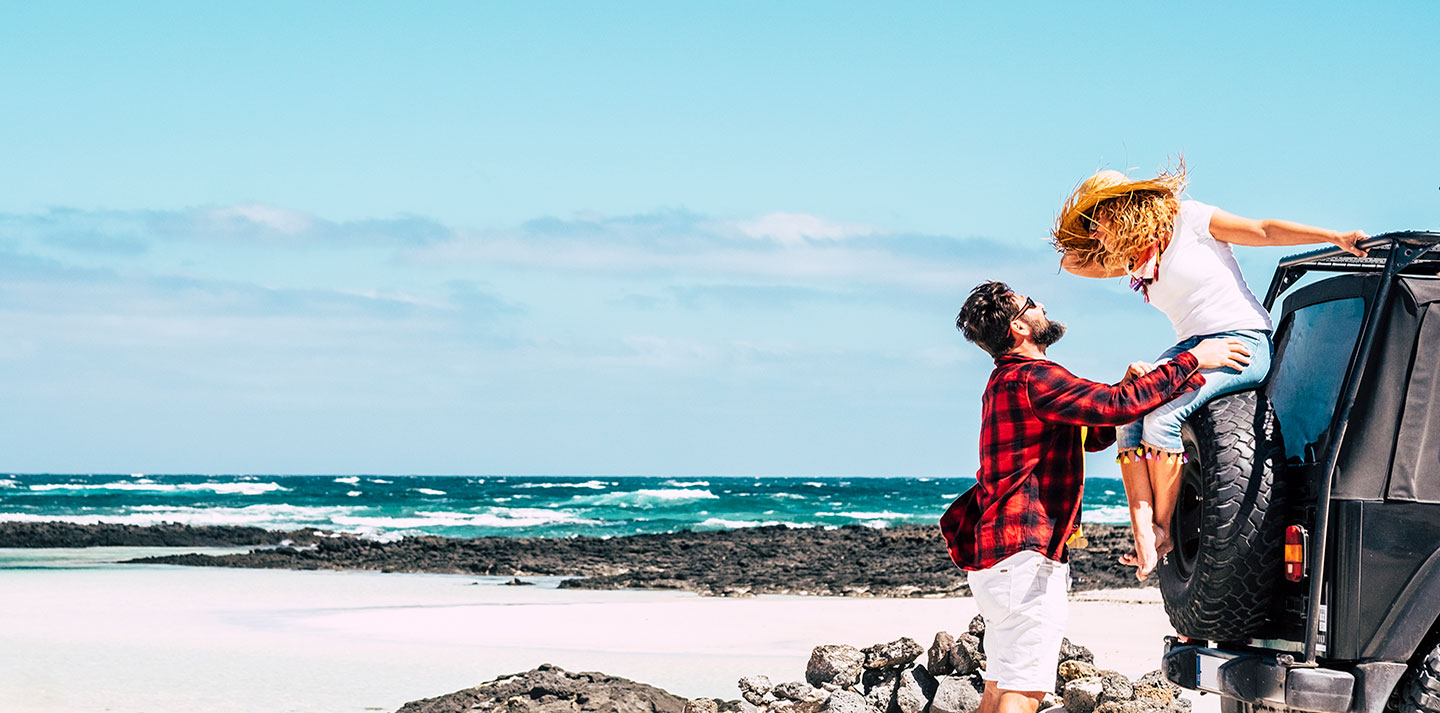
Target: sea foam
{"points": [[646, 498], [494, 517], [266, 516], [1110, 515], [589, 484], [715, 522], [220, 488]]}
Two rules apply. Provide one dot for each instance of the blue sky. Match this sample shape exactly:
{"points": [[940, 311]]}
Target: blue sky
{"points": [[616, 238]]}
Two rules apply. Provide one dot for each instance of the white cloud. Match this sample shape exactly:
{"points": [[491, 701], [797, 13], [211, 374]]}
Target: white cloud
{"points": [[805, 264], [788, 249], [281, 220], [795, 228], [667, 353]]}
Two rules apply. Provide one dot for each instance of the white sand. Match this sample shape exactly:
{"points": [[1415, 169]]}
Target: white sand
{"points": [[162, 639]]}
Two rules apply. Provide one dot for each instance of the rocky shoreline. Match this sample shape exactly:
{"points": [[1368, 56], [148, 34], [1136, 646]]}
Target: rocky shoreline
{"points": [[848, 561], [66, 534], [883, 678]]}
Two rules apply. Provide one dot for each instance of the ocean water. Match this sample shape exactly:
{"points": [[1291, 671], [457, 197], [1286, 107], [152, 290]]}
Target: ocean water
{"points": [[389, 507]]}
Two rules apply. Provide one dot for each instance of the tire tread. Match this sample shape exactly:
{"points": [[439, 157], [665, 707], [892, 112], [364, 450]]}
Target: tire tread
{"points": [[1230, 592]]}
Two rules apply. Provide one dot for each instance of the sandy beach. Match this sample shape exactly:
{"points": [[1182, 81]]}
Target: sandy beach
{"points": [[77, 633]]}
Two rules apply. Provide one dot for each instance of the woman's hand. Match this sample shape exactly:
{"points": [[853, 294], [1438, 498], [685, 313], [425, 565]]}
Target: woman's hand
{"points": [[1137, 369], [1350, 242]]}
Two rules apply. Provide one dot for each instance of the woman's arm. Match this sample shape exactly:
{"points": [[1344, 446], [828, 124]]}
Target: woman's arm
{"points": [[1072, 264], [1235, 230]]}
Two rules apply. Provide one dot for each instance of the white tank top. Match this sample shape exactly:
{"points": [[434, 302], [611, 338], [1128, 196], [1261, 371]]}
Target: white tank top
{"points": [[1200, 287]]}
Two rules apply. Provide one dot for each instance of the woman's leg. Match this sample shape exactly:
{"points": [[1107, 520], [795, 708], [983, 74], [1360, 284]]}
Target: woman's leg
{"points": [[1153, 541], [1138, 496], [1162, 429], [1134, 471], [1165, 484]]}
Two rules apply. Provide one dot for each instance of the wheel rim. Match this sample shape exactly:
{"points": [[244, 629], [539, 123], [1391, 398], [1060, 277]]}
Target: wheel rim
{"points": [[1185, 525]]}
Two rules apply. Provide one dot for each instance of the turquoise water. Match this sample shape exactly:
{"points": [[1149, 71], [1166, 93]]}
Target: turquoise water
{"points": [[515, 506]]}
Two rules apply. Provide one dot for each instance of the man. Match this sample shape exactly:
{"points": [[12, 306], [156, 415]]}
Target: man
{"points": [[1009, 532]]}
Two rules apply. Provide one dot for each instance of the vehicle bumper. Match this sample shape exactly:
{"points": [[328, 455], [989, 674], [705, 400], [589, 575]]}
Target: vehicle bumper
{"points": [[1258, 679]]}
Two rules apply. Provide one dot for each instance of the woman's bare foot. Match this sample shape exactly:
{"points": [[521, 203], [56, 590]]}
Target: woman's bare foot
{"points": [[1144, 558], [1163, 545], [1159, 545]]}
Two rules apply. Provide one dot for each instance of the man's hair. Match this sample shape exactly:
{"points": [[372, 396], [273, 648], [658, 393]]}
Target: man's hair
{"points": [[985, 318]]}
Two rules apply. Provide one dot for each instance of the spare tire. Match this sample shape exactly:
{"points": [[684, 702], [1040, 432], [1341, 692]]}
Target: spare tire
{"points": [[1221, 579]]}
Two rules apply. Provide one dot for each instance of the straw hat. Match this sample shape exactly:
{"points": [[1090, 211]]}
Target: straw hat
{"points": [[1070, 233]]}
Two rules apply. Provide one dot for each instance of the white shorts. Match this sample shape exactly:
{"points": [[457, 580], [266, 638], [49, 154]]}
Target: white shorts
{"points": [[1024, 601]]}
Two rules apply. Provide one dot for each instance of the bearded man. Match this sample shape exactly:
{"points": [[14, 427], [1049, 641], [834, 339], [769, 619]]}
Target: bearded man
{"points": [[1010, 531]]}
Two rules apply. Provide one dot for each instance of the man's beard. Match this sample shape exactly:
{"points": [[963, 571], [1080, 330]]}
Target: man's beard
{"points": [[1047, 332]]}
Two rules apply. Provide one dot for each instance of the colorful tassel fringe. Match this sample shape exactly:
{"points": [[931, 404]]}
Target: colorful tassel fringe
{"points": [[1134, 455]]}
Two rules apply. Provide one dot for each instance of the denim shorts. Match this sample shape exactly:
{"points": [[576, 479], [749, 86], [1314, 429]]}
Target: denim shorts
{"points": [[1160, 429]]}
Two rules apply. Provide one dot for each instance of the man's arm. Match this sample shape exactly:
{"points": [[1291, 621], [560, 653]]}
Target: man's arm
{"points": [[1061, 397], [1098, 438]]}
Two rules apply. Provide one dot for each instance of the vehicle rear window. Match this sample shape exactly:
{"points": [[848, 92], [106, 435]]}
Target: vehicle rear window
{"points": [[1314, 351]]}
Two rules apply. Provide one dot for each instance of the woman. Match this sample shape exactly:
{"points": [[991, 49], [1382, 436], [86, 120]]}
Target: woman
{"points": [[1177, 253]]}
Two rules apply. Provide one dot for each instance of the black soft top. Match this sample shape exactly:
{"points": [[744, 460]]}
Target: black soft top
{"points": [[1391, 447]]}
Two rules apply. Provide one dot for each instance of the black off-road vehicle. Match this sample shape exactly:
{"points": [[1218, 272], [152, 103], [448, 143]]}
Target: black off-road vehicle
{"points": [[1306, 569]]}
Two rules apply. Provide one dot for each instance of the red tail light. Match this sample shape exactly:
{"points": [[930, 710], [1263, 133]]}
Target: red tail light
{"points": [[1294, 553]]}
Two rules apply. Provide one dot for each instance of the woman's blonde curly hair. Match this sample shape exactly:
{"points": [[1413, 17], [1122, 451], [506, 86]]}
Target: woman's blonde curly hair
{"points": [[1141, 215]]}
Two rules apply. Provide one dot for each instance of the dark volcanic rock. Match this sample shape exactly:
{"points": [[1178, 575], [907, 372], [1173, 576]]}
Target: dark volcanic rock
{"points": [[67, 534], [1083, 694], [1073, 652], [1155, 689], [755, 688], [955, 694], [845, 702], [879, 685], [937, 659], [1126, 707], [966, 657], [549, 689], [1116, 687], [854, 561], [848, 561], [897, 653], [1071, 670], [839, 664], [915, 690], [796, 691]]}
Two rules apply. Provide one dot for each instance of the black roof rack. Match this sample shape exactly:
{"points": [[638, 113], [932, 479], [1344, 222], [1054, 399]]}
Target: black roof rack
{"points": [[1420, 253]]}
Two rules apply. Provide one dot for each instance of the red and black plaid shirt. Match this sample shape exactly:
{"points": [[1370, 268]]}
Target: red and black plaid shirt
{"points": [[1027, 494]]}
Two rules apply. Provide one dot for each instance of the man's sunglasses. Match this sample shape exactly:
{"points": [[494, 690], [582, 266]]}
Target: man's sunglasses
{"points": [[1029, 304]]}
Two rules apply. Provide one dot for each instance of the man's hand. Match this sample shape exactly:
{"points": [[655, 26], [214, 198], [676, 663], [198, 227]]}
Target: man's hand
{"points": [[1218, 352], [1137, 369]]}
